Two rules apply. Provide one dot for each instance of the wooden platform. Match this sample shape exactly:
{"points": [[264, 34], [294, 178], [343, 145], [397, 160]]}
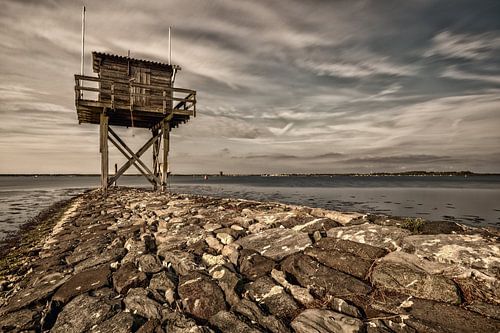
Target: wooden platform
{"points": [[132, 104]]}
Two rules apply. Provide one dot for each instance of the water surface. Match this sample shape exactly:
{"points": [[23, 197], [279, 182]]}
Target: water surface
{"points": [[472, 200]]}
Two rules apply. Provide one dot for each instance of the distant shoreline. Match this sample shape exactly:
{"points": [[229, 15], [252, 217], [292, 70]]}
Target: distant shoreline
{"points": [[407, 173]]}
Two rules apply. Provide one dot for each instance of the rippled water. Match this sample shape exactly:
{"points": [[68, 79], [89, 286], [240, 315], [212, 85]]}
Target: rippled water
{"points": [[474, 200]]}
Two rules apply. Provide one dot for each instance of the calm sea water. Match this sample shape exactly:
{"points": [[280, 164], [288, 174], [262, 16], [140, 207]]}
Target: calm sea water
{"points": [[473, 200]]}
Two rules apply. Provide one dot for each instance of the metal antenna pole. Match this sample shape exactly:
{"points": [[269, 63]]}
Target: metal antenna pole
{"points": [[82, 69], [169, 46]]}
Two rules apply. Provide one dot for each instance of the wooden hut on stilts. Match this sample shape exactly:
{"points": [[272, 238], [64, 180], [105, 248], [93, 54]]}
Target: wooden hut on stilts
{"points": [[133, 93]]}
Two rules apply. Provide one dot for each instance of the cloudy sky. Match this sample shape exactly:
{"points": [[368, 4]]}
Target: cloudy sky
{"points": [[283, 86]]}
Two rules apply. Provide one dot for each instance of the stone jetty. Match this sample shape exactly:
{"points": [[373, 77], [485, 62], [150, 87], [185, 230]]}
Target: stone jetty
{"points": [[140, 261]]}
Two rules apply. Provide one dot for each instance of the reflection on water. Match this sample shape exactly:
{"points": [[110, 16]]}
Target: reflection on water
{"points": [[474, 200]]}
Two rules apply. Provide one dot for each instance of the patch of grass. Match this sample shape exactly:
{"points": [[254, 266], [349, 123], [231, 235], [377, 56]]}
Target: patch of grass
{"points": [[415, 225]]}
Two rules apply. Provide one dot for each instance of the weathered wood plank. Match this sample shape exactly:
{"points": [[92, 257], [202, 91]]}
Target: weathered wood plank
{"points": [[104, 150]]}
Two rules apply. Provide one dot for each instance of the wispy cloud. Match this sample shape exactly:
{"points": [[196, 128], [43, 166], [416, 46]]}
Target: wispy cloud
{"points": [[282, 86], [467, 46]]}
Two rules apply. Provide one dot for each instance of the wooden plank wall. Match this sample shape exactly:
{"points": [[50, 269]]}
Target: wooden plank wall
{"points": [[118, 70]]}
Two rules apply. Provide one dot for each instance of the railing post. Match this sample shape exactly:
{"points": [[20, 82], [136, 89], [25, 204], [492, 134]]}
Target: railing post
{"points": [[113, 95], [194, 105], [164, 102], [131, 89]]}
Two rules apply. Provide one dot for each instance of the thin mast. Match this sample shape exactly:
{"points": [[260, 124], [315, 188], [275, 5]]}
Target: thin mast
{"points": [[169, 46], [82, 68]]}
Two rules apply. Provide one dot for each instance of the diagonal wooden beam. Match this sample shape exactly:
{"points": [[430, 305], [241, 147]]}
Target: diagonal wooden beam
{"points": [[136, 159], [137, 155], [131, 158]]}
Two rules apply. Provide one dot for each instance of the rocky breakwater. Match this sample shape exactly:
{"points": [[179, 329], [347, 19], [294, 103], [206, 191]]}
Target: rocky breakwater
{"points": [[148, 262]]}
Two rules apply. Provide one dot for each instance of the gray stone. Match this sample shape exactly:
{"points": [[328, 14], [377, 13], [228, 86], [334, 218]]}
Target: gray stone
{"points": [[372, 234], [106, 257], [225, 238], [81, 283], [24, 319], [448, 318], [469, 251], [325, 321], [440, 227], [340, 217], [488, 310], [321, 279], [235, 233], [38, 290], [341, 306], [346, 256], [177, 323], [80, 314], [119, 323], [252, 265], [126, 277], [255, 314], [276, 243], [228, 281], [231, 252], [273, 297], [138, 302], [162, 281], [317, 225], [228, 322], [201, 297], [151, 326], [300, 294], [166, 242], [405, 279], [210, 260], [182, 262], [211, 226], [85, 250], [214, 243], [149, 264], [402, 324], [377, 326]]}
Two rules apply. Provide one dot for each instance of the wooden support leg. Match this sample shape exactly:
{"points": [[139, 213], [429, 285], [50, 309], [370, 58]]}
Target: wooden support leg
{"points": [[156, 150], [103, 131], [166, 148]]}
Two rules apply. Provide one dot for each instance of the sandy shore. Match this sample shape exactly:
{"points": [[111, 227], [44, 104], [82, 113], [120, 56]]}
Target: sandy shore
{"points": [[149, 262]]}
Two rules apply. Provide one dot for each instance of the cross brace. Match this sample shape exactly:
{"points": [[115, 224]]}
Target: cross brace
{"points": [[155, 177]]}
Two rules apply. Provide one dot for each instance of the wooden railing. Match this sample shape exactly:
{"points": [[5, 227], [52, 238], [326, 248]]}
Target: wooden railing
{"points": [[122, 94]]}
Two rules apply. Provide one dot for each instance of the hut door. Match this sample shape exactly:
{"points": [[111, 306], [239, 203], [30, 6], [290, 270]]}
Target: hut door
{"points": [[142, 76]]}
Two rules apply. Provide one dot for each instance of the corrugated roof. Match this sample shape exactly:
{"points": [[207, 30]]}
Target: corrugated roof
{"points": [[108, 55]]}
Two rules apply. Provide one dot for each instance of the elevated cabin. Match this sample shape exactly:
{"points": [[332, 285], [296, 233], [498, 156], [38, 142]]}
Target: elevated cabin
{"points": [[135, 93]]}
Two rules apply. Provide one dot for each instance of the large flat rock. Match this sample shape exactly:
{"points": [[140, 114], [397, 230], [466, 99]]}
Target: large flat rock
{"points": [[326, 321], [126, 277], [272, 296], [346, 256], [81, 314], [405, 279], [39, 290], [276, 243], [322, 279], [386, 237], [138, 302], [119, 323], [201, 297], [470, 251], [82, 282], [228, 322], [253, 265], [453, 319]]}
